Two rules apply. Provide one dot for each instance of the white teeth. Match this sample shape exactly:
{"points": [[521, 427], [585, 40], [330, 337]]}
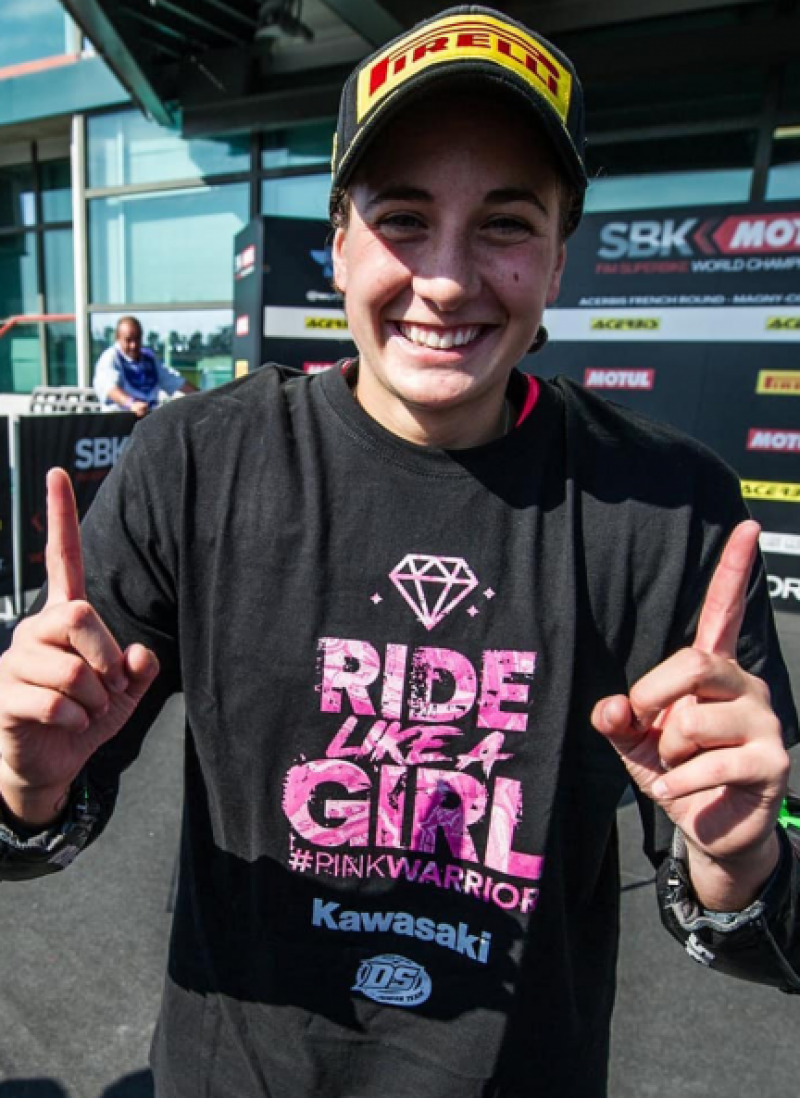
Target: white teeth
{"points": [[441, 340]]}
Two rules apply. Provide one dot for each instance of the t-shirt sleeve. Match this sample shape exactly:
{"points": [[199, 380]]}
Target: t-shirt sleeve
{"points": [[106, 374], [131, 574], [169, 379]]}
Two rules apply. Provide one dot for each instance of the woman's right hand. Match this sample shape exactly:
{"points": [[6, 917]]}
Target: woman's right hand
{"points": [[66, 686]]}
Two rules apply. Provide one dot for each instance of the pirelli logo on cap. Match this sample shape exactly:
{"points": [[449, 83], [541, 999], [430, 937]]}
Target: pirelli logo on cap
{"points": [[466, 38], [778, 382], [771, 491], [625, 324]]}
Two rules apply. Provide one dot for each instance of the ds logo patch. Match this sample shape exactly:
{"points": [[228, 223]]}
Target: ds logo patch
{"points": [[393, 981]]}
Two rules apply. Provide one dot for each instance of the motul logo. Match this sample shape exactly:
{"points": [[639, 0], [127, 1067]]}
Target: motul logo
{"points": [[763, 233], [619, 379], [780, 441]]}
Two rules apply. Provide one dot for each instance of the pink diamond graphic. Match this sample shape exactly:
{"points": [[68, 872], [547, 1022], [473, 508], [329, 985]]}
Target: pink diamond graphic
{"points": [[433, 586]]}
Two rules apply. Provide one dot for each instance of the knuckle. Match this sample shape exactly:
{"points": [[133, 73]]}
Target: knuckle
{"points": [[697, 666], [73, 674], [52, 710], [78, 614]]}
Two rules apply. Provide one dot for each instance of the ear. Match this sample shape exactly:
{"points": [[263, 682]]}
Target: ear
{"points": [[555, 278], [338, 255]]}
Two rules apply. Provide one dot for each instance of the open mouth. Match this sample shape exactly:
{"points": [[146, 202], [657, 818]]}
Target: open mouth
{"points": [[441, 339]]}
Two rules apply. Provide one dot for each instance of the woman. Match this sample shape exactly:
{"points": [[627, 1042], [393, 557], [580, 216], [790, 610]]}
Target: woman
{"points": [[429, 615]]}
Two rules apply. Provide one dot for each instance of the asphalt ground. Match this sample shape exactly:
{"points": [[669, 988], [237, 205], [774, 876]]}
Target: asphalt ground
{"points": [[82, 956]]}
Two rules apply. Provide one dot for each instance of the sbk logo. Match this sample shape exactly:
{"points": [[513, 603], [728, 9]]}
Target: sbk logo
{"points": [[393, 980], [736, 235]]}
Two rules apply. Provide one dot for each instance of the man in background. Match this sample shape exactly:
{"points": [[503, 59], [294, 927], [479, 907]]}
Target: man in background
{"points": [[132, 377]]}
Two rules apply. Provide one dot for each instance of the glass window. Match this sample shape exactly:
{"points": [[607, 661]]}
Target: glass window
{"points": [[17, 204], [169, 247], [302, 145], [20, 359], [62, 354], [125, 149], [31, 29], [198, 342], [18, 293], [59, 272], [639, 192], [708, 169], [783, 180], [296, 196], [56, 184]]}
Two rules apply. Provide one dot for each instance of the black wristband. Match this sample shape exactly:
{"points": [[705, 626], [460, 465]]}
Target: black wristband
{"points": [[753, 944], [25, 853]]}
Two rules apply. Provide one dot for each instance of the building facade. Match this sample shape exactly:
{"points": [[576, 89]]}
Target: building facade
{"points": [[105, 211]]}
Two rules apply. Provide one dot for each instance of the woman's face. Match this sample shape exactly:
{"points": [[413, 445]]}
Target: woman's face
{"points": [[451, 252]]}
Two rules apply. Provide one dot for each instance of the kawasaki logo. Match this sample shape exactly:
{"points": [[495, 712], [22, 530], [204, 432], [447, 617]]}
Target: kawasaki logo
{"points": [[779, 441], [393, 980], [737, 235], [619, 379], [458, 938]]}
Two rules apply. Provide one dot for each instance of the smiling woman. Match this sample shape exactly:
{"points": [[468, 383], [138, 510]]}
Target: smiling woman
{"points": [[429, 616], [451, 251]]}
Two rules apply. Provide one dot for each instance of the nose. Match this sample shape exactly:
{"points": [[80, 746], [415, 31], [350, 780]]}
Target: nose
{"points": [[448, 275]]}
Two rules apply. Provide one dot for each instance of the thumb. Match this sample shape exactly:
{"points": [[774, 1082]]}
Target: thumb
{"points": [[141, 667], [614, 718]]}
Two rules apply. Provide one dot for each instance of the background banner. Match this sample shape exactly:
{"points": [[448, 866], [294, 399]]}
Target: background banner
{"points": [[87, 446], [289, 302], [745, 255], [6, 515]]}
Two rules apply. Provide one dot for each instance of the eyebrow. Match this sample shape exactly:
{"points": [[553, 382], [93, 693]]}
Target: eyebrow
{"points": [[501, 196]]}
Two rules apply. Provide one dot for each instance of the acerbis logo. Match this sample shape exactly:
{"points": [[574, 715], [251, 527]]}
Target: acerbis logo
{"points": [[779, 441], [778, 382], [619, 379], [331, 323], [393, 981], [784, 587], [775, 490], [625, 323], [737, 235], [98, 453]]}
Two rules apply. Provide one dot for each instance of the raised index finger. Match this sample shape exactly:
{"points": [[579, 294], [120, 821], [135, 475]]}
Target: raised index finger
{"points": [[63, 556], [724, 604]]}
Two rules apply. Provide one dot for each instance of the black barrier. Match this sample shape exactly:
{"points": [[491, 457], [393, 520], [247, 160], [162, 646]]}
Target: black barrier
{"points": [[87, 446], [284, 297], [6, 517]]}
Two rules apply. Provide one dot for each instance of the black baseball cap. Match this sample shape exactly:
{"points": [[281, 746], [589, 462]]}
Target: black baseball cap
{"points": [[474, 45]]}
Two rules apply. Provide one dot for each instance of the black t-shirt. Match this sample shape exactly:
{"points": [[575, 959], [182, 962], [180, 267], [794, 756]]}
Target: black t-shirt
{"points": [[398, 863]]}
